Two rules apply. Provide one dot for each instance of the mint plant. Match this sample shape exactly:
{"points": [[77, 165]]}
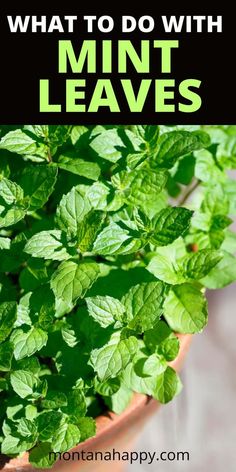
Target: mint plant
{"points": [[109, 236]]}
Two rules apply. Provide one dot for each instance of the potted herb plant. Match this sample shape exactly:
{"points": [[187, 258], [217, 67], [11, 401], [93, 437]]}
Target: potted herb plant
{"points": [[109, 236]]}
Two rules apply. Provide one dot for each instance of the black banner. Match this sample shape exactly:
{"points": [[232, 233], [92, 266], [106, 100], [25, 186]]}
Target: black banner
{"points": [[145, 74]]}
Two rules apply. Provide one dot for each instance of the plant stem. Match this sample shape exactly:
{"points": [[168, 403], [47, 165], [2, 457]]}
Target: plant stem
{"points": [[49, 156], [189, 192]]}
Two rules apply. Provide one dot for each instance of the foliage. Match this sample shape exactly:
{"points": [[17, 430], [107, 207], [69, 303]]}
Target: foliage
{"points": [[108, 236]]}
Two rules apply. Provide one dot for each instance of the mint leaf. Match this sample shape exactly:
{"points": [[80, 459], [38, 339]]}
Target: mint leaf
{"points": [[141, 187], [26, 427], [175, 144], [5, 243], [113, 357], [185, 309], [169, 224], [54, 400], [119, 400], [78, 166], [87, 427], [88, 230], [7, 319], [224, 273], [135, 382], [198, 264], [26, 343], [48, 245], [115, 240], [76, 405], [19, 142], [12, 205], [68, 335], [166, 386], [23, 383], [10, 192], [65, 438], [143, 305], [71, 280], [47, 423], [149, 366], [71, 211], [164, 266], [105, 310], [109, 144], [6, 354], [161, 340], [38, 184], [40, 456], [10, 445]]}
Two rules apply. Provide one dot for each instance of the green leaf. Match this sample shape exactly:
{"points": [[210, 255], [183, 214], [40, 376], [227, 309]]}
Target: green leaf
{"points": [[47, 423], [77, 132], [10, 192], [87, 427], [19, 142], [23, 382], [26, 427], [105, 310], [76, 406], [11, 215], [119, 400], [140, 187], [163, 265], [215, 201], [109, 360], [26, 343], [69, 336], [175, 144], [161, 340], [65, 438], [3, 385], [115, 240], [169, 224], [40, 456], [185, 169], [111, 143], [48, 245], [166, 386], [5, 243], [97, 195], [38, 184], [185, 309], [10, 445], [6, 354], [143, 305], [198, 264], [107, 388], [78, 166], [71, 280], [224, 273], [134, 382], [12, 205], [88, 230], [71, 211], [54, 400], [7, 319], [30, 364], [150, 366], [42, 307], [206, 169]]}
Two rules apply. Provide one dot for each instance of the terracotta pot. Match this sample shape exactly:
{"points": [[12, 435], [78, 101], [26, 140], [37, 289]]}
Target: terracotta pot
{"points": [[117, 432]]}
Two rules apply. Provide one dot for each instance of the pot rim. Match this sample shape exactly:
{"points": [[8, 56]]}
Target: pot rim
{"points": [[108, 420]]}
